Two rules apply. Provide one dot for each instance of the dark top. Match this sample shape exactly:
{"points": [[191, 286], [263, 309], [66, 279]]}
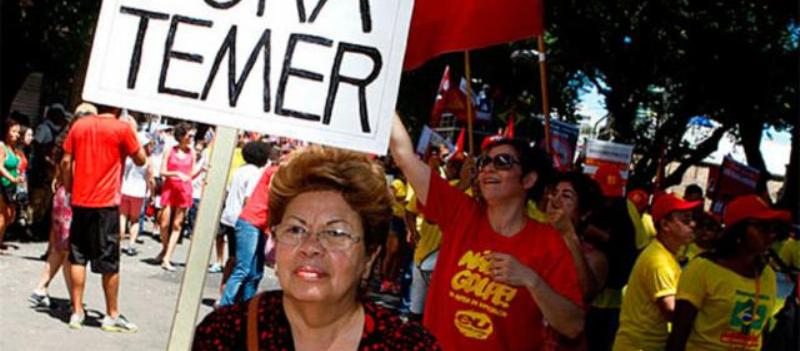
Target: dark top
{"points": [[226, 329]]}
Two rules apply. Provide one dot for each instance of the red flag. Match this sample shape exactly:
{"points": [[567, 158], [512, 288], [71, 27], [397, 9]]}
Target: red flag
{"points": [[459, 144], [510, 127], [441, 26], [450, 99], [441, 98]]}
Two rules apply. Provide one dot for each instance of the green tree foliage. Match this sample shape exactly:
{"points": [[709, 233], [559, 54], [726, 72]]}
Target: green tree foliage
{"points": [[733, 61], [50, 36]]}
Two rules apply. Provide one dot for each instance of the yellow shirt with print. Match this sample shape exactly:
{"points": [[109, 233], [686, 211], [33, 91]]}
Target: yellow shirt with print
{"points": [[655, 275], [724, 302]]}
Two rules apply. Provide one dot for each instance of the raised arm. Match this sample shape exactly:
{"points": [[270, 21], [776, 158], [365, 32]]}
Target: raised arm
{"points": [[417, 172]]}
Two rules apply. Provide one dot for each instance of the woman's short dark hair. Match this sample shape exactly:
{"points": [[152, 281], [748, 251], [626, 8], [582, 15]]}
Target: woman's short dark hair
{"points": [[360, 181], [181, 130], [531, 160], [256, 153], [590, 196]]}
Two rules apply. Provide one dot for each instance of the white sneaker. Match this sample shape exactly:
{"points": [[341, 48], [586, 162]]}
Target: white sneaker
{"points": [[37, 300], [76, 320], [119, 324], [215, 268]]}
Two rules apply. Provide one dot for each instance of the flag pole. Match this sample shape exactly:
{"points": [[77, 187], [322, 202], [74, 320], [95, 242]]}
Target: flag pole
{"points": [[468, 73], [545, 98]]}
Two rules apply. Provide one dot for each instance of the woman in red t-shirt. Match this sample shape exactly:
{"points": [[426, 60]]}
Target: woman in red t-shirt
{"points": [[177, 169], [502, 281]]}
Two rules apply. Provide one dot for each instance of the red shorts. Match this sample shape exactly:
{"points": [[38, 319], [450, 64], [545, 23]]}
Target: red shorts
{"points": [[131, 207], [176, 194]]}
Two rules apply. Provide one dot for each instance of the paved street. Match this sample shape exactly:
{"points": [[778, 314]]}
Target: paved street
{"points": [[147, 298]]}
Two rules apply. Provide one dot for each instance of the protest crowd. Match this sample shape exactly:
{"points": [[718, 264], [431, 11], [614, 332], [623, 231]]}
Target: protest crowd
{"points": [[554, 259]]}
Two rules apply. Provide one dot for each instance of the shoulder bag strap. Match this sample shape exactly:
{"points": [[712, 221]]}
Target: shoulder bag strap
{"points": [[252, 323]]}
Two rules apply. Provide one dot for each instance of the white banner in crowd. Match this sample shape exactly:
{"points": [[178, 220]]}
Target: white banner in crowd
{"points": [[322, 71], [429, 138]]}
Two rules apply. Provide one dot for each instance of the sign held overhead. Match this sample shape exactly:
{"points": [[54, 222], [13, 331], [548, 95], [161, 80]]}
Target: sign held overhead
{"points": [[323, 71]]}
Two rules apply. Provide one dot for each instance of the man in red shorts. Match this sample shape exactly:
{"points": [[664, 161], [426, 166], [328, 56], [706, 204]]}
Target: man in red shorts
{"points": [[95, 151]]}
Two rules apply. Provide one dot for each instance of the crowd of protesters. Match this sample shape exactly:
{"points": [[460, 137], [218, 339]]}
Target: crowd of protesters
{"points": [[495, 252]]}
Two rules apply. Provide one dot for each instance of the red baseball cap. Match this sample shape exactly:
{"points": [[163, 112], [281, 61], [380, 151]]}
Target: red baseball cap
{"points": [[752, 207], [668, 203]]}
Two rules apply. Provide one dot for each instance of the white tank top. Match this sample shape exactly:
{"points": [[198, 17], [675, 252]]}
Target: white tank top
{"points": [[133, 180]]}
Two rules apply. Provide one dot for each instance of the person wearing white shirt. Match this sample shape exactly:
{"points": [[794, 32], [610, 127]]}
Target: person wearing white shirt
{"points": [[243, 253]]}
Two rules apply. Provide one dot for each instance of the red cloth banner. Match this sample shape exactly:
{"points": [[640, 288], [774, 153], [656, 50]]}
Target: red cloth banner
{"points": [[442, 26]]}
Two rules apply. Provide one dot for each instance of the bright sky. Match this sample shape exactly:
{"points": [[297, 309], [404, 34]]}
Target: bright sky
{"points": [[775, 146]]}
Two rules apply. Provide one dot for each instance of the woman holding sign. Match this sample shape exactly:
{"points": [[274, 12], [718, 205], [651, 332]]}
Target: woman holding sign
{"points": [[330, 211]]}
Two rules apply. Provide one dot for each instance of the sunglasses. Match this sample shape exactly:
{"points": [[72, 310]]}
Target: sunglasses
{"points": [[502, 162]]}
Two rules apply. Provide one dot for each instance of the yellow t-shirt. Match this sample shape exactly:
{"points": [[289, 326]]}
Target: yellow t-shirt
{"points": [[724, 301], [430, 236], [535, 213], [236, 162], [790, 253], [400, 191], [636, 218], [655, 275], [689, 252], [649, 228]]}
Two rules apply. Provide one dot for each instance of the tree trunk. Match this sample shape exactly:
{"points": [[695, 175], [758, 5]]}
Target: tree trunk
{"points": [[791, 188], [695, 157], [623, 114], [751, 130]]}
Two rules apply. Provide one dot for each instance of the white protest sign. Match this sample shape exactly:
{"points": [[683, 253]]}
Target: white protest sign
{"points": [[322, 71]]}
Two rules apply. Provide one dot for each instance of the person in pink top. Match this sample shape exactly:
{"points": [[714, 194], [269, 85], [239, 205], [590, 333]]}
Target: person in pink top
{"points": [[177, 169]]}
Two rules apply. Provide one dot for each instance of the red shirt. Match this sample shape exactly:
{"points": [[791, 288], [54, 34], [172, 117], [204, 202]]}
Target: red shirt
{"points": [[466, 309], [99, 145], [256, 211]]}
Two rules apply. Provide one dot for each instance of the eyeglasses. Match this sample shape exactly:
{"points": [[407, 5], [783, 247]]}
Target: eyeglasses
{"points": [[331, 239], [500, 161]]}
